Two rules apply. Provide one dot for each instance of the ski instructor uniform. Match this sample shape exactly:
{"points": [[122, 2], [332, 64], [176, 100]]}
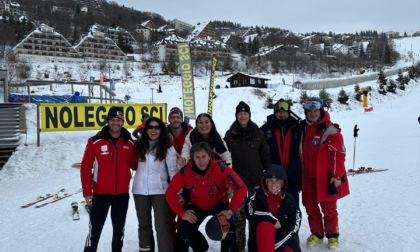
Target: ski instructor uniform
{"points": [[110, 153], [324, 174]]}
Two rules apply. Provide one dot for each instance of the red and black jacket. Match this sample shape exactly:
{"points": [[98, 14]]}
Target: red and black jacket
{"points": [[105, 167]]}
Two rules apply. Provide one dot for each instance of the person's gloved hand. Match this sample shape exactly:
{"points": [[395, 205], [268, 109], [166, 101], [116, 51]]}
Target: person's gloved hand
{"points": [[332, 190]]}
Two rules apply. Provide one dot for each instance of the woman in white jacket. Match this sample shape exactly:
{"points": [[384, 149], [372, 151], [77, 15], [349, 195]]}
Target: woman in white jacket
{"points": [[156, 165]]}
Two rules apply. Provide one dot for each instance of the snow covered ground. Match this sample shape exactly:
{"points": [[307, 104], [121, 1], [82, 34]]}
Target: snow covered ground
{"points": [[380, 214]]}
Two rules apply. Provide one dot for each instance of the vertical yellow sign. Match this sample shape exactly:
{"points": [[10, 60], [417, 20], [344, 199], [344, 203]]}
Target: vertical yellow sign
{"points": [[188, 99], [211, 94]]}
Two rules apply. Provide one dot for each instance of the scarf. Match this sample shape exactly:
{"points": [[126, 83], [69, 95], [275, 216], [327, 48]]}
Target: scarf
{"points": [[214, 140]]}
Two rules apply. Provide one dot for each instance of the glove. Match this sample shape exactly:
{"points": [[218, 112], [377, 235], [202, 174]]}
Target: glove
{"points": [[332, 190]]}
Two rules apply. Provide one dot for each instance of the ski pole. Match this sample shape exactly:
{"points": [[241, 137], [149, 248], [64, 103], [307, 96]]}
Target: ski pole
{"points": [[354, 151]]}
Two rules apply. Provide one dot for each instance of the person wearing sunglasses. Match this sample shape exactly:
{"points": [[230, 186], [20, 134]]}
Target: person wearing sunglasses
{"points": [[282, 133], [273, 214], [323, 155], [250, 156], [156, 166]]}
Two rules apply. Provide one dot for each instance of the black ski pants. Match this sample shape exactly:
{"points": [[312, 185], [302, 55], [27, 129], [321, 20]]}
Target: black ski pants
{"points": [[192, 237], [100, 206]]}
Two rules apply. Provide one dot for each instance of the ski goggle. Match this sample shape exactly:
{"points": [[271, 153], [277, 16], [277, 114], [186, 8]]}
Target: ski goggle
{"points": [[282, 105], [312, 105]]}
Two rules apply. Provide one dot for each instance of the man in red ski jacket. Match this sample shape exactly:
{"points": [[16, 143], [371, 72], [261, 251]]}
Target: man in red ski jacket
{"points": [[324, 174], [110, 154], [207, 180]]}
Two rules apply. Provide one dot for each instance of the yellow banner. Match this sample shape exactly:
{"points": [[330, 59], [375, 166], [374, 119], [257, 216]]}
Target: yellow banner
{"points": [[88, 116], [188, 99], [213, 70]]}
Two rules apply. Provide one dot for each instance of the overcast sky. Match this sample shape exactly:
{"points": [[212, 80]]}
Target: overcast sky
{"points": [[295, 15]]}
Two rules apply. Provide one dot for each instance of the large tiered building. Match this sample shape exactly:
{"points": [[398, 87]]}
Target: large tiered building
{"points": [[45, 45], [96, 46]]}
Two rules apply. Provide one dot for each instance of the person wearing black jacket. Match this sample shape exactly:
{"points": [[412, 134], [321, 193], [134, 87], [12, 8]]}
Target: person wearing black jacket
{"points": [[274, 216], [282, 133], [250, 156]]}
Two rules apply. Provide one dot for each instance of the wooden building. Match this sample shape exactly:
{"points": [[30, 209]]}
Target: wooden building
{"points": [[245, 80]]}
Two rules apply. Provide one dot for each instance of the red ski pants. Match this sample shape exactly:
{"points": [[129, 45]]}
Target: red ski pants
{"points": [[266, 237], [322, 217]]}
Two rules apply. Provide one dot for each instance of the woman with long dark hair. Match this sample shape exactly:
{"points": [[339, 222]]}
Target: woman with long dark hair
{"points": [[156, 165], [205, 131]]}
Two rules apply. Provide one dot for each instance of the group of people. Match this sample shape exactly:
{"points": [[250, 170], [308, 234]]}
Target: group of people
{"points": [[186, 174]]}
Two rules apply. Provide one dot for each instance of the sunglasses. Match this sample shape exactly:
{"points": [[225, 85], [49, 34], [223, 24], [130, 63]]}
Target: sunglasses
{"points": [[312, 105], [281, 105], [156, 127]]}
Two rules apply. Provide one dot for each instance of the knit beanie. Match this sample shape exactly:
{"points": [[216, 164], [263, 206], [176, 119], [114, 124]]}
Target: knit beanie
{"points": [[175, 110], [243, 107], [117, 112]]}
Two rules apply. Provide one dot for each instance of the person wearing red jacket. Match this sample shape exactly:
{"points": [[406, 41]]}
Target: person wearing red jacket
{"points": [[324, 175], [110, 154], [207, 180]]}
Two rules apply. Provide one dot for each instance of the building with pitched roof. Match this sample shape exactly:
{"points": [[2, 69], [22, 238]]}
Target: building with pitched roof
{"points": [[96, 46], [205, 30], [45, 45], [245, 80]]}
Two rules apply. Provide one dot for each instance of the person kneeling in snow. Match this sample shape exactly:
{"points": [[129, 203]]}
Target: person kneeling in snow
{"points": [[274, 216], [207, 180]]}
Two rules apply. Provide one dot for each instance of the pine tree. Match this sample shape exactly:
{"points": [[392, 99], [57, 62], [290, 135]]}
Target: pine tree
{"points": [[382, 82], [358, 94], [400, 79], [303, 97], [343, 97], [411, 72], [325, 97], [269, 104], [392, 87]]}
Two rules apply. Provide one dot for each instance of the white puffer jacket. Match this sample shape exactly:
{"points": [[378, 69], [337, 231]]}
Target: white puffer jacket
{"points": [[152, 175]]}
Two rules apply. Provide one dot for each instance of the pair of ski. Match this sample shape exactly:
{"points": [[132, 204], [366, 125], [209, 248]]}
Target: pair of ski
{"points": [[55, 197], [364, 170]]}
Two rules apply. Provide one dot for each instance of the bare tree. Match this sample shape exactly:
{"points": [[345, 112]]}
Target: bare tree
{"points": [[83, 71]]}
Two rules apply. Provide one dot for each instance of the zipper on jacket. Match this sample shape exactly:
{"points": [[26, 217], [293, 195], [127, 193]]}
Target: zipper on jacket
{"points": [[116, 166]]}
